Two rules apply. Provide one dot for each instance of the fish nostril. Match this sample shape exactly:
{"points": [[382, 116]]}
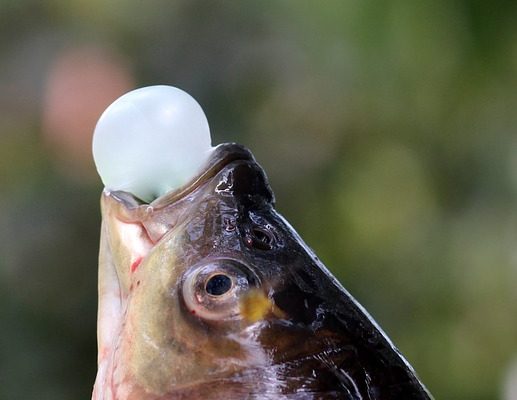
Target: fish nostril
{"points": [[219, 284], [261, 239]]}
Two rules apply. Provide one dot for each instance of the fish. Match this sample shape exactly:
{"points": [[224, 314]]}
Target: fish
{"points": [[207, 292]]}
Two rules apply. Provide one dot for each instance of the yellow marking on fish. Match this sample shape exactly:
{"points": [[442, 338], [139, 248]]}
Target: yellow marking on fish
{"points": [[255, 305]]}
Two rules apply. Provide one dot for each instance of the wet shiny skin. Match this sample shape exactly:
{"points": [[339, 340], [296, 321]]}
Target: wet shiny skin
{"points": [[163, 335]]}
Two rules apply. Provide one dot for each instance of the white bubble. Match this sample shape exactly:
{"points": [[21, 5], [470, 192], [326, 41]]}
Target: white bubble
{"points": [[151, 140]]}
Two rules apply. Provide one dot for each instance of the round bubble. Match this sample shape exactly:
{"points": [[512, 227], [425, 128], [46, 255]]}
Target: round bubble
{"points": [[150, 141]]}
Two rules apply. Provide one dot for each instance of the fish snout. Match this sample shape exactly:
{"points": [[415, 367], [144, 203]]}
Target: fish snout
{"points": [[246, 182]]}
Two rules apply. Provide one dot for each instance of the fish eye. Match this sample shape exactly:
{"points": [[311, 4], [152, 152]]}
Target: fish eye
{"points": [[212, 290], [218, 284], [262, 238]]}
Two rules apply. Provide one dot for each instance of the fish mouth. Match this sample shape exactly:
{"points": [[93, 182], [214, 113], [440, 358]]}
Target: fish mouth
{"points": [[144, 224], [221, 156]]}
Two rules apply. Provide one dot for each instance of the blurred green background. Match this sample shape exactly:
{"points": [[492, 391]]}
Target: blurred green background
{"points": [[388, 130]]}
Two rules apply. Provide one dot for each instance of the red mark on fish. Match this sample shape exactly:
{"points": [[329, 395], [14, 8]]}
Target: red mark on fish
{"points": [[135, 264]]}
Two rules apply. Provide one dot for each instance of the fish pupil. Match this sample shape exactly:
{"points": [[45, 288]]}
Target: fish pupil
{"points": [[218, 285]]}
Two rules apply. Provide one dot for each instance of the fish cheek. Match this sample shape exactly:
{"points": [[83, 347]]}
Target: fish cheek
{"points": [[165, 345], [152, 321], [162, 347]]}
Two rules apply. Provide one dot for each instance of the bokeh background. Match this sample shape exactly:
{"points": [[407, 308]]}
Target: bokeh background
{"points": [[388, 130]]}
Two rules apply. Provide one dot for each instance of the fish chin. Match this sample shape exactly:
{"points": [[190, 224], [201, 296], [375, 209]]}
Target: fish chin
{"points": [[122, 245]]}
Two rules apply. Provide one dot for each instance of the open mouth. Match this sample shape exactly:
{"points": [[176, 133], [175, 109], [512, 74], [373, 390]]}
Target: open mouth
{"points": [[148, 222], [156, 218], [222, 155]]}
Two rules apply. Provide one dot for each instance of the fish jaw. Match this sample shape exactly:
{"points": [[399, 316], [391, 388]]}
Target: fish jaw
{"points": [[122, 246], [108, 317]]}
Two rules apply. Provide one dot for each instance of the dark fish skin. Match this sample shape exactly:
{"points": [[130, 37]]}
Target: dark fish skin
{"points": [[174, 341]]}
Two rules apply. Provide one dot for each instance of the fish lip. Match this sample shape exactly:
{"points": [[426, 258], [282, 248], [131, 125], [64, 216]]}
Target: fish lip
{"points": [[223, 155], [131, 209]]}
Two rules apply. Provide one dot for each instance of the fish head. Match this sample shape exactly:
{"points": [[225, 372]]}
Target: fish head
{"points": [[207, 292]]}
